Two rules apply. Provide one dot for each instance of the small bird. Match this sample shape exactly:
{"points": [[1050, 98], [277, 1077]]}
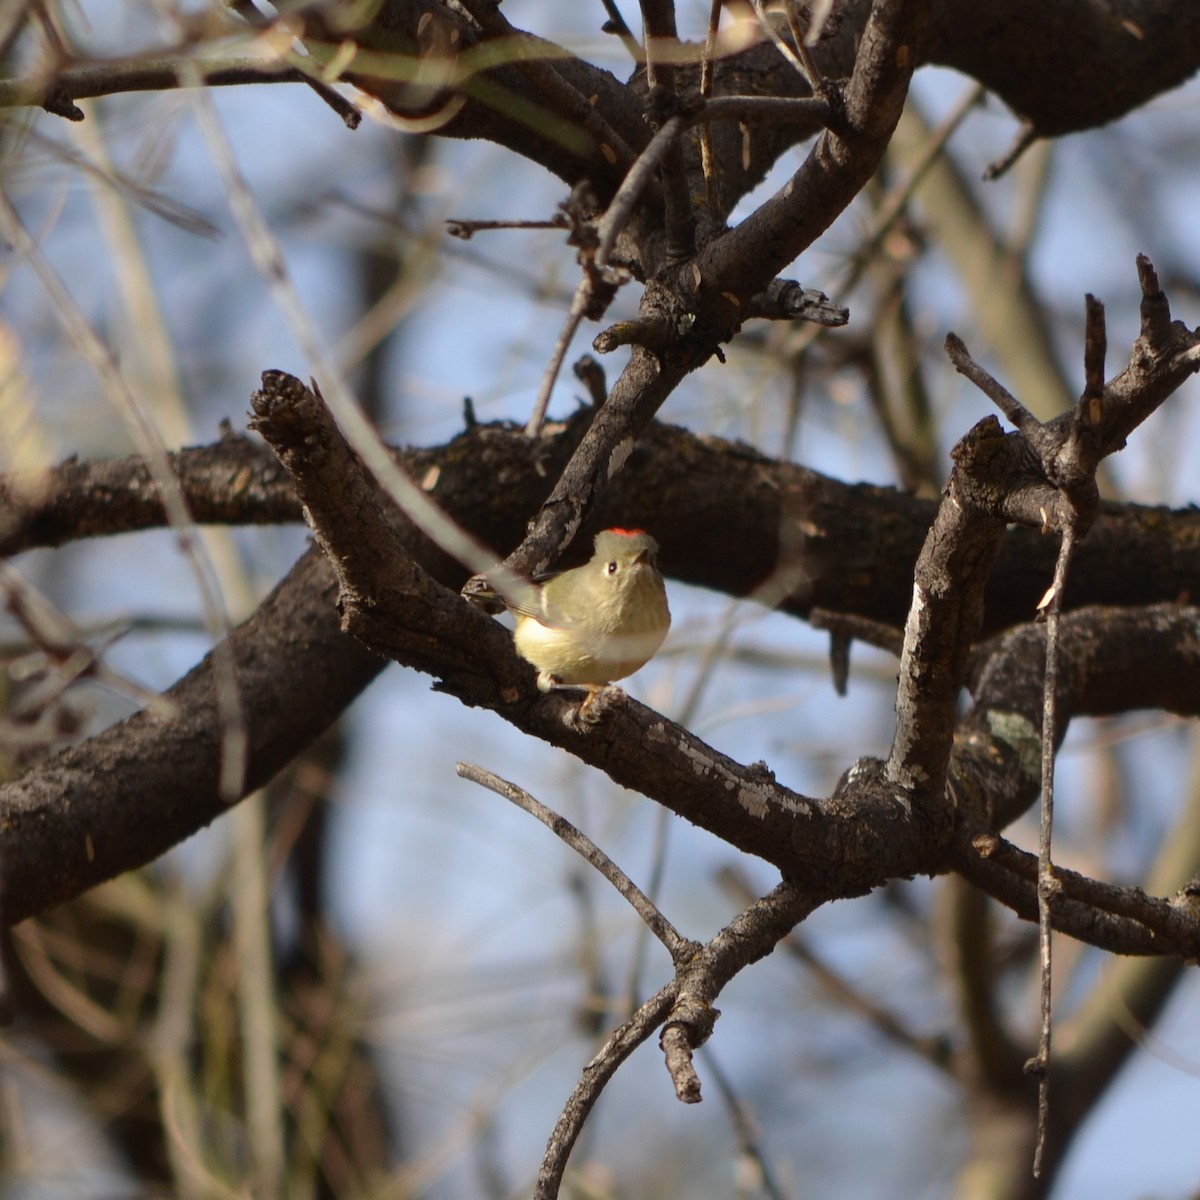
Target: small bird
{"points": [[598, 622]]}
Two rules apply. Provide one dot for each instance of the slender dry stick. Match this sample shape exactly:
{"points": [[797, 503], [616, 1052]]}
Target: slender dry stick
{"points": [[613, 222], [678, 947], [616, 24], [707, 163], [461, 227], [60, 90], [68, 654], [1165, 925], [1089, 414], [640, 174], [1025, 138], [812, 72], [1047, 884], [802, 62], [992, 388], [579, 306]]}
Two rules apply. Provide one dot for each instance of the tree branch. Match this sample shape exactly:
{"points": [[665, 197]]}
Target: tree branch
{"points": [[125, 796]]}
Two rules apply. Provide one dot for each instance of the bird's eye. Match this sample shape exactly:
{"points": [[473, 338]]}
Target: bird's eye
{"points": [[612, 568]]}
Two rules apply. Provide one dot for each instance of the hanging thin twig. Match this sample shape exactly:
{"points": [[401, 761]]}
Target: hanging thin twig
{"points": [[1048, 886]]}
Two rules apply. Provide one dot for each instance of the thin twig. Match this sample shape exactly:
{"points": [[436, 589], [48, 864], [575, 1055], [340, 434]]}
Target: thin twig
{"points": [[1048, 886], [350, 114], [611, 224], [676, 1045], [801, 61], [778, 109], [1025, 138], [460, 227], [579, 307], [591, 374], [1165, 921], [860, 629], [677, 946], [639, 175], [991, 387], [596, 1074], [707, 162], [616, 24], [82, 81], [811, 72]]}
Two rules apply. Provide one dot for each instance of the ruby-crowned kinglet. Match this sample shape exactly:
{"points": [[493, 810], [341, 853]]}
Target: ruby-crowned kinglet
{"points": [[599, 622]]}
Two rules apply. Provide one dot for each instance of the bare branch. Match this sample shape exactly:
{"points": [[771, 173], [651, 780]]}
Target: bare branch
{"points": [[1048, 886], [619, 1046], [857, 556], [1021, 418], [57, 92], [1172, 921], [677, 946]]}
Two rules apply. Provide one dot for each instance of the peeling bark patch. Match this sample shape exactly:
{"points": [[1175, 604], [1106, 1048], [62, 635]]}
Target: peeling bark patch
{"points": [[753, 801], [619, 456], [756, 799], [912, 627]]}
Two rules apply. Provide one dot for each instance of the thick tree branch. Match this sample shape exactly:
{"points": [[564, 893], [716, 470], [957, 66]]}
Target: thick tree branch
{"points": [[790, 537], [124, 797], [235, 481], [1070, 66]]}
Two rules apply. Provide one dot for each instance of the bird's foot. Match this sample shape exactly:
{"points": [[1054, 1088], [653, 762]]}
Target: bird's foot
{"points": [[600, 702], [600, 699]]}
